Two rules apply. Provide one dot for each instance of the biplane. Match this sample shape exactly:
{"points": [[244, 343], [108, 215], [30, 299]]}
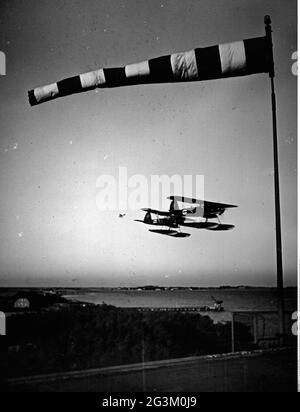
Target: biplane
{"points": [[171, 221]]}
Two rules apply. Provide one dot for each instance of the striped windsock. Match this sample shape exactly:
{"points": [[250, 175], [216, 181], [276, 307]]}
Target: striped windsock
{"points": [[226, 60]]}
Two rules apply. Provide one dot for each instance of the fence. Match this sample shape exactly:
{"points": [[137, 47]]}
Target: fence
{"points": [[263, 330]]}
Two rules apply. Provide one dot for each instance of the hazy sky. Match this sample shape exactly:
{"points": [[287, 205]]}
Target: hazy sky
{"points": [[51, 232]]}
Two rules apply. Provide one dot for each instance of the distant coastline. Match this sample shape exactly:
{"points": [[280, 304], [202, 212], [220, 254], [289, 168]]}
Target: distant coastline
{"points": [[69, 290]]}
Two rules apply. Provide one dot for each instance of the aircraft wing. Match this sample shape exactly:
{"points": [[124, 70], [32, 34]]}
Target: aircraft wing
{"points": [[211, 206], [157, 212]]}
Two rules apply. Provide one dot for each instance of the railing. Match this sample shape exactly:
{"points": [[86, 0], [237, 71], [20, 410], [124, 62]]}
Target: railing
{"points": [[263, 328]]}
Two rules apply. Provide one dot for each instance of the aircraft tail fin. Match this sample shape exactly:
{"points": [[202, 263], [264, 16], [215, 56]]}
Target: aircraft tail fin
{"points": [[174, 206], [148, 218]]}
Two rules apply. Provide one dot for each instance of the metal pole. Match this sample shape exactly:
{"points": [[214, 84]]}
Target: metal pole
{"points": [[280, 289], [255, 334], [232, 334]]}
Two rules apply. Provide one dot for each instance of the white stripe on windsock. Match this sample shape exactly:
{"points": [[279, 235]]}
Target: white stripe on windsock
{"points": [[241, 58], [184, 65], [137, 70], [46, 92], [95, 78], [233, 57]]}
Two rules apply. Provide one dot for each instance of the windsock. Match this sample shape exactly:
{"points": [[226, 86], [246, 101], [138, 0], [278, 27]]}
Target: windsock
{"points": [[240, 58]]}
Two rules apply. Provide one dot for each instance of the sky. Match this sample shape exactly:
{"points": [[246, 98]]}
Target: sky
{"points": [[51, 231]]}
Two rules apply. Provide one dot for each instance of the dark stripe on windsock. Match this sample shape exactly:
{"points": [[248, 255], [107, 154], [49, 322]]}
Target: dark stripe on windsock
{"points": [[226, 60], [161, 69], [208, 63], [115, 77], [257, 55], [32, 99], [69, 86]]}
